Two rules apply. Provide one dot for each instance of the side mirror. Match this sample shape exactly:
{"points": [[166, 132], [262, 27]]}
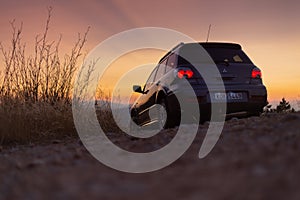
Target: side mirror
{"points": [[137, 88]]}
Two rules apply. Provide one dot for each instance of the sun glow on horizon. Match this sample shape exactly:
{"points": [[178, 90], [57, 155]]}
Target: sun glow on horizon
{"points": [[269, 33]]}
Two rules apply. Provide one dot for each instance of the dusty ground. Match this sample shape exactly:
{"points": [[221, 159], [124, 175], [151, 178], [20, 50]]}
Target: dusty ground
{"points": [[256, 158]]}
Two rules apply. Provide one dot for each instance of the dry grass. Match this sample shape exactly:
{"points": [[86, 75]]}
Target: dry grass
{"points": [[35, 122], [106, 118], [35, 88], [43, 75]]}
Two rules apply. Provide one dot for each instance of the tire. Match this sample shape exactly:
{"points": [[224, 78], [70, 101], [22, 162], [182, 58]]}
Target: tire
{"points": [[169, 122], [162, 114]]}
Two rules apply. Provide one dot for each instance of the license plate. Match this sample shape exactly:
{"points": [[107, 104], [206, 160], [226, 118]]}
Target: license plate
{"points": [[220, 96], [228, 96]]}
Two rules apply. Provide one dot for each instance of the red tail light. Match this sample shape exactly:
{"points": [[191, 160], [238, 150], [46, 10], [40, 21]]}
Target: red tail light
{"points": [[256, 73], [185, 73]]}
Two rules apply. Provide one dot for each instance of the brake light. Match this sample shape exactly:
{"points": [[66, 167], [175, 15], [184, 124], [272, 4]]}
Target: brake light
{"points": [[256, 73], [185, 73]]}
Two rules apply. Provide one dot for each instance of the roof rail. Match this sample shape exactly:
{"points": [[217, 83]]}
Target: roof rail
{"points": [[172, 50]]}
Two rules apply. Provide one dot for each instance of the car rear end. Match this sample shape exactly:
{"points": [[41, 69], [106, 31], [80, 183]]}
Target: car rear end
{"points": [[244, 89]]}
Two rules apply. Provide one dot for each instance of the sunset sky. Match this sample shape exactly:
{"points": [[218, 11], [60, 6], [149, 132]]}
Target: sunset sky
{"points": [[269, 31]]}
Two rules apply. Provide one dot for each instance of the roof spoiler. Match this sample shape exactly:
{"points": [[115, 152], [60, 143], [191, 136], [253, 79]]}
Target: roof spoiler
{"points": [[220, 45]]}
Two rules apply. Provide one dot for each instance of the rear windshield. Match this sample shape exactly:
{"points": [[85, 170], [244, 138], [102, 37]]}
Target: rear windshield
{"points": [[219, 55], [228, 55]]}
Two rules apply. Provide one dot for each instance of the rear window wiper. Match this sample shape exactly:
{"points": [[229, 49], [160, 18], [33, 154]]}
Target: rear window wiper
{"points": [[225, 62]]}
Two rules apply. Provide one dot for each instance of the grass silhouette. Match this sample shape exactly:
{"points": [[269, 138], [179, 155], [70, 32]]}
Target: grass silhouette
{"points": [[36, 88]]}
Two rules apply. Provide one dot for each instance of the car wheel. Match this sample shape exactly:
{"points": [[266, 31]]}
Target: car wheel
{"points": [[162, 117], [165, 117]]}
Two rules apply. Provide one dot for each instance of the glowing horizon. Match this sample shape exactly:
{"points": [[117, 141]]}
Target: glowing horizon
{"points": [[268, 32]]}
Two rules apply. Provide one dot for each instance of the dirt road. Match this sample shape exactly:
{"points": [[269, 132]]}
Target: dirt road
{"points": [[255, 158]]}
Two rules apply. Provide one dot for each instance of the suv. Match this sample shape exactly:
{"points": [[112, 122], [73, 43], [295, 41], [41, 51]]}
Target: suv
{"points": [[244, 92]]}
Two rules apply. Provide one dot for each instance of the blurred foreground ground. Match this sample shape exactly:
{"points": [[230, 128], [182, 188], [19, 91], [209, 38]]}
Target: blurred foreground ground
{"points": [[255, 158]]}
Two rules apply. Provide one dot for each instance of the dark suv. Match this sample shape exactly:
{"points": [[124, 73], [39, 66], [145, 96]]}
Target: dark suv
{"points": [[244, 92]]}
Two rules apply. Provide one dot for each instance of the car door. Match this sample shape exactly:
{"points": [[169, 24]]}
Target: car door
{"points": [[141, 103], [148, 98]]}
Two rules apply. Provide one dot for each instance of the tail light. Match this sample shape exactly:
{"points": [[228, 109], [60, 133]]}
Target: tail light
{"points": [[185, 73], [256, 73]]}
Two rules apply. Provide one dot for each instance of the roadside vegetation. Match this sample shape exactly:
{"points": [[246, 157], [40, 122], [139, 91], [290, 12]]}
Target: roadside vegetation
{"points": [[36, 87], [283, 107]]}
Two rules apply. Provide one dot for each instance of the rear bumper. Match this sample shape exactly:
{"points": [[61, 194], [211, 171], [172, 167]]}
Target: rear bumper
{"points": [[249, 107], [255, 98]]}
